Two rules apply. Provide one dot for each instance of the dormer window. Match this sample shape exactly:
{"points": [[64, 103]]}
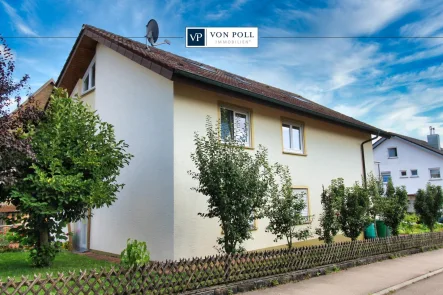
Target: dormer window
{"points": [[89, 78]]}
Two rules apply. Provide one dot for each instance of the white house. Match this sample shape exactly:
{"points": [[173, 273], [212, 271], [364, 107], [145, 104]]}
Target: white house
{"points": [[157, 100], [410, 162]]}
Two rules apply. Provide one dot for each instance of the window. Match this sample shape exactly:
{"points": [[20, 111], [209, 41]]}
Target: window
{"points": [[392, 152], [305, 193], [414, 173], [89, 77], [403, 173], [385, 176], [253, 224], [435, 173], [293, 138], [235, 126]]}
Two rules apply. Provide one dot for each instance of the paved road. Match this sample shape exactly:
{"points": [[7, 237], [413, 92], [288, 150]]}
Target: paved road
{"points": [[431, 286], [364, 280]]}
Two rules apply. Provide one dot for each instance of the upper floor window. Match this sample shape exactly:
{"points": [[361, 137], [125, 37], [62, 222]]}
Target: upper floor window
{"points": [[414, 172], [386, 176], [293, 137], [403, 173], [392, 152], [305, 195], [89, 77], [435, 173], [235, 125]]}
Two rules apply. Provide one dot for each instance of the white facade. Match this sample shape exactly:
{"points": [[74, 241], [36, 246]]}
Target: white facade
{"points": [[410, 156], [157, 118]]}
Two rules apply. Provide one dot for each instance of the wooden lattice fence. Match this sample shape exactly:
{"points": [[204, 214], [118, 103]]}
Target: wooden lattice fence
{"points": [[171, 277]]}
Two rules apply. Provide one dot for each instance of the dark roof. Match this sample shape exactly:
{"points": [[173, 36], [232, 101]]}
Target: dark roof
{"points": [[412, 140], [170, 65]]}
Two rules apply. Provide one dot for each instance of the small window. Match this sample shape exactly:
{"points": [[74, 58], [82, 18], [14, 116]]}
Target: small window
{"points": [[305, 193], [253, 224], [385, 176], [235, 126], [293, 138], [89, 77], [414, 172], [435, 173], [392, 152], [403, 173]]}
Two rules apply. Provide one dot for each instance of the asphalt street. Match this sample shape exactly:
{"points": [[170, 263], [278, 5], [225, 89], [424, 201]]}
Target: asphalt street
{"points": [[431, 286]]}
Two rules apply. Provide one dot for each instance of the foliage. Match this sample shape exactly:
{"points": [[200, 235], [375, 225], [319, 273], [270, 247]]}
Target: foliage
{"points": [[354, 209], [329, 225], [236, 182], [136, 253], [77, 161], [15, 146], [14, 237], [285, 207], [394, 206], [428, 205], [43, 255], [374, 186], [411, 225]]}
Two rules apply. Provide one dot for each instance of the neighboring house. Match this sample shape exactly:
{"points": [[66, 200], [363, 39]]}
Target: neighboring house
{"points": [[410, 162], [157, 101], [40, 99]]}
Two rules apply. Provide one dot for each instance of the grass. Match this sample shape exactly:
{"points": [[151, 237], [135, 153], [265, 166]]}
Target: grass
{"points": [[15, 264]]}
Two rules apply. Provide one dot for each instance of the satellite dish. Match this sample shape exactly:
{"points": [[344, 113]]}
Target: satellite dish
{"points": [[152, 31]]}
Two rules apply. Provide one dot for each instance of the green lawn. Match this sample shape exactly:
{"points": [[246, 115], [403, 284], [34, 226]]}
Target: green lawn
{"points": [[15, 264]]}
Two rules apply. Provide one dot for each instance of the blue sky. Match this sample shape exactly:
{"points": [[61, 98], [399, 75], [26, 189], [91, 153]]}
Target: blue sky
{"points": [[394, 84]]}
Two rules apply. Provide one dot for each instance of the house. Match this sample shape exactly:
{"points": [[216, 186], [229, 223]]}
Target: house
{"points": [[157, 100], [410, 162], [40, 99]]}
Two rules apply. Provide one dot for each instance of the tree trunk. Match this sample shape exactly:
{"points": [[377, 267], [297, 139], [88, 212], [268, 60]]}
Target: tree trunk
{"points": [[43, 236]]}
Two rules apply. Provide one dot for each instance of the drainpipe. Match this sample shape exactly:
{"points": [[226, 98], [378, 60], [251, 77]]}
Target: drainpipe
{"points": [[363, 155]]}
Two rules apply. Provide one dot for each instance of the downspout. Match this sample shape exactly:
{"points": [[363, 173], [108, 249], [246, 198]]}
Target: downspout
{"points": [[363, 155]]}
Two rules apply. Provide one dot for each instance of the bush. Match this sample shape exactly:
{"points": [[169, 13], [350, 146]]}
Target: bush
{"points": [[44, 255], [136, 253], [428, 204]]}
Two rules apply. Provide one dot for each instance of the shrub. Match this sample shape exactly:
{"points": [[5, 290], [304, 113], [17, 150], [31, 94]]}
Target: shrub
{"points": [[136, 253], [329, 225], [44, 255], [428, 204], [394, 206]]}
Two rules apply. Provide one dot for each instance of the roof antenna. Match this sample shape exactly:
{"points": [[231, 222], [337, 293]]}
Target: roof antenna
{"points": [[152, 32]]}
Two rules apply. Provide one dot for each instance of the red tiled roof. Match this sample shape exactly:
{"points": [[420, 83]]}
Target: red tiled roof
{"points": [[169, 64]]}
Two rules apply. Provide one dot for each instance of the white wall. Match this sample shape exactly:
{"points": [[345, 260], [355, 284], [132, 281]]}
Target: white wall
{"points": [[332, 151], [410, 156], [139, 103]]}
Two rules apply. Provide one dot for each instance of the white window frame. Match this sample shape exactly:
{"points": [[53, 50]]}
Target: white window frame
{"points": [[404, 176], [235, 110], [385, 172], [412, 175], [430, 174], [88, 74], [308, 207], [396, 151], [302, 137]]}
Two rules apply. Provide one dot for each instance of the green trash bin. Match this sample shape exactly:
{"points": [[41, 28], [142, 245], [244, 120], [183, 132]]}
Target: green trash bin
{"points": [[370, 232], [381, 229]]}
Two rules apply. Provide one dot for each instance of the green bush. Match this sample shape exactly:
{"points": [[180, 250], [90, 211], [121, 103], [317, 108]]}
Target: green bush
{"points": [[44, 255], [136, 253]]}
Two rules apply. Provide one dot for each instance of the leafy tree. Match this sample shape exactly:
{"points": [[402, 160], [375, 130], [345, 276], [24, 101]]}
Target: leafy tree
{"points": [[236, 182], [394, 206], [77, 161], [15, 146], [375, 191], [354, 210], [285, 209], [329, 226], [428, 205]]}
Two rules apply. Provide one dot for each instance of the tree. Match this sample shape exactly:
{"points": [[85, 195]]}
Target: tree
{"points": [[77, 161], [236, 183], [394, 206], [284, 210], [329, 225], [354, 210], [428, 205], [15, 148]]}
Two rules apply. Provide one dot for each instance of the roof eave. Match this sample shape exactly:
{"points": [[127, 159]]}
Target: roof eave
{"points": [[278, 102]]}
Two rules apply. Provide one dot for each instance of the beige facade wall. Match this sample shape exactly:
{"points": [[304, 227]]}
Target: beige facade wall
{"points": [[332, 151]]}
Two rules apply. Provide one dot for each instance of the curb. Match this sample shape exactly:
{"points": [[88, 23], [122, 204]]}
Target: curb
{"points": [[397, 287]]}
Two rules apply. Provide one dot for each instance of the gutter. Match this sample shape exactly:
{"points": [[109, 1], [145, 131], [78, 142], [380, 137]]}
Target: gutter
{"points": [[363, 156], [275, 101]]}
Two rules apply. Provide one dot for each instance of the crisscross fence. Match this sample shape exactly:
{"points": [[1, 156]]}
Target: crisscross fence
{"points": [[171, 277]]}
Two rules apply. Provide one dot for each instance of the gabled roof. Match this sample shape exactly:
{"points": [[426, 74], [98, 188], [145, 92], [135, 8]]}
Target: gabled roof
{"points": [[418, 142], [170, 66]]}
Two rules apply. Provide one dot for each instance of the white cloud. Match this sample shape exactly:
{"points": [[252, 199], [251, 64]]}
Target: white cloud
{"points": [[17, 20]]}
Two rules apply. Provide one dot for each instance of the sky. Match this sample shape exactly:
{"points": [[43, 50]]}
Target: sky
{"points": [[395, 84]]}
